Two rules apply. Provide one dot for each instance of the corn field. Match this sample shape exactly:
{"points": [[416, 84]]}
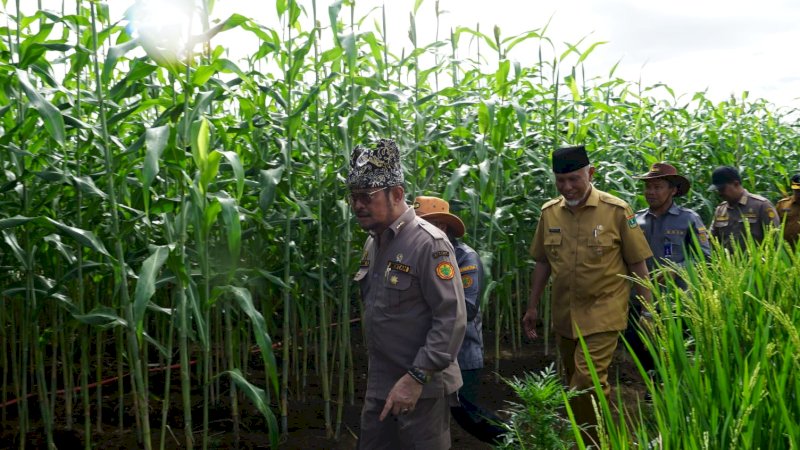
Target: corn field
{"points": [[183, 215]]}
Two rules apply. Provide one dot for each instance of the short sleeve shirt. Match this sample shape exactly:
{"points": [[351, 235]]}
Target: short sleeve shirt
{"points": [[729, 220], [671, 235], [414, 312], [789, 212], [589, 251]]}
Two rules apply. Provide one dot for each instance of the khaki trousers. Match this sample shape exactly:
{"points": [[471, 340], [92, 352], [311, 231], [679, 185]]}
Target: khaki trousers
{"points": [[601, 348], [427, 427]]}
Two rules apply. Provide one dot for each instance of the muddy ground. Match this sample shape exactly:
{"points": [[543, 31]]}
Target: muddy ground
{"points": [[306, 421]]}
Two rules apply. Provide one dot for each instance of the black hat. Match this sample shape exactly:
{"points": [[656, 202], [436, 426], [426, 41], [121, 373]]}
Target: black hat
{"points": [[723, 175], [375, 167], [570, 159], [796, 181]]}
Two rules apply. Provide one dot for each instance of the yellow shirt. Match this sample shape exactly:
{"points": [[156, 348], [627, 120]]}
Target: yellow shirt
{"points": [[789, 210], [588, 251]]}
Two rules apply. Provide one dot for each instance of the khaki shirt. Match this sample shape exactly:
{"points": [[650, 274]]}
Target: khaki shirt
{"points": [[414, 306], [789, 210], [729, 220], [589, 250]]}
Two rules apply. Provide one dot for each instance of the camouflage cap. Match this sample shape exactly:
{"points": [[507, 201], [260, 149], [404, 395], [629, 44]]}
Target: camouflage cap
{"points": [[375, 167]]}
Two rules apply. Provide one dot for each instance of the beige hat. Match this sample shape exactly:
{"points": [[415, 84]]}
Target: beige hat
{"points": [[436, 209]]}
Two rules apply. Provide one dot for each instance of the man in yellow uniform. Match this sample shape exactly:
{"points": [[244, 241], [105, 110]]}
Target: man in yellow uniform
{"points": [[739, 208], [587, 240], [789, 212]]}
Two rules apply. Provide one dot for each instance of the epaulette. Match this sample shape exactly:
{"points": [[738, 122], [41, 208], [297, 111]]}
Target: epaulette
{"points": [[758, 197], [611, 200], [551, 202], [435, 233]]}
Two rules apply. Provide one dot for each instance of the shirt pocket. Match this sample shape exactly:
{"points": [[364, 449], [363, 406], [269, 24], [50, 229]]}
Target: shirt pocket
{"points": [[673, 249], [600, 247], [397, 287], [552, 245]]}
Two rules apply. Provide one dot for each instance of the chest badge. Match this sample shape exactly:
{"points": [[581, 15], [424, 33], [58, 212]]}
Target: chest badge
{"points": [[399, 257], [393, 280]]}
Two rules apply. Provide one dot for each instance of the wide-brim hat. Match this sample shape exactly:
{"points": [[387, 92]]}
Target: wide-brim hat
{"points": [[668, 172], [436, 209]]}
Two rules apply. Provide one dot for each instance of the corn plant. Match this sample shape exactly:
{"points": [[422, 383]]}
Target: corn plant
{"points": [[176, 210]]}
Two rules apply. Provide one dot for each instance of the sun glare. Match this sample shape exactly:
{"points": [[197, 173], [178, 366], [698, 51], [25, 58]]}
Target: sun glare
{"points": [[164, 25]]}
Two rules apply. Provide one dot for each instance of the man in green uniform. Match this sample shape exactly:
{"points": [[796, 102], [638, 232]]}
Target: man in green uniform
{"points": [[789, 212], [741, 211], [586, 240], [414, 311]]}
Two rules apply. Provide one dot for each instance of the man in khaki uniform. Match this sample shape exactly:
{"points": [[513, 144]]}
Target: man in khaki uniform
{"points": [[414, 310], [587, 240], [739, 207], [789, 212]]}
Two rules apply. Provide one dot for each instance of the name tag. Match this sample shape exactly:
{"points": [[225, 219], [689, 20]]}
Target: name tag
{"points": [[399, 266]]}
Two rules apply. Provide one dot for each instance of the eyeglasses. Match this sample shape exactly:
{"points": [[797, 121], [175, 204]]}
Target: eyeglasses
{"points": [[365, 198]]}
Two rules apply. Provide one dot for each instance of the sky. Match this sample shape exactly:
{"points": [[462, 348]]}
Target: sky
{"points": [[722, 47]]}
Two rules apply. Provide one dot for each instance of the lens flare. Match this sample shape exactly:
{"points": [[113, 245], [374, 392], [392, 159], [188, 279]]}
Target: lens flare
{"points": [[162, 27]]}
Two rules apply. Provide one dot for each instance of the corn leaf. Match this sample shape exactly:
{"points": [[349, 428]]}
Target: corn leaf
{"points": [[53, 121], [146, 285]]}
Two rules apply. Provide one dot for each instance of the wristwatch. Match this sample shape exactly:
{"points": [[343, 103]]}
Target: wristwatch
{"points": [[419, 375]]}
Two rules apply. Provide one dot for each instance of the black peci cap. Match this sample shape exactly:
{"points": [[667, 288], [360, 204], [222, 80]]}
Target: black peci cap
{"points": [[570, 159]]}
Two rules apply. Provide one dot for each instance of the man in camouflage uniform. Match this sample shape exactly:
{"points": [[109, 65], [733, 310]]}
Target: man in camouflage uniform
{"points": [[741, 211], [587, 240], [789, 212], [414, 311]]}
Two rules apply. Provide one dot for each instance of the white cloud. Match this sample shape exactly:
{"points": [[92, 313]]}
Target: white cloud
{"points": [[727, 46]]}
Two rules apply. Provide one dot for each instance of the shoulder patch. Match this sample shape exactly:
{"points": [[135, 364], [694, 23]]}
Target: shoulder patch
{"points": [[551, 202], [632, 221], [467, 281], [445, 270], [468, 268]]}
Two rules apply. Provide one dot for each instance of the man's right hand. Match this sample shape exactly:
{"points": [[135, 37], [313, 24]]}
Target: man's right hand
{"points": [[529, 322]]}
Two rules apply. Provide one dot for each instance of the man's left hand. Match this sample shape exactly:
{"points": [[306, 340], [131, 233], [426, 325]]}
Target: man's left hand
{"points": [[402, 398]]}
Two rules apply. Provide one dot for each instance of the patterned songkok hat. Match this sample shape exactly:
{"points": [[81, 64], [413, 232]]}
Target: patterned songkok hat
{"points": [[375, 167]]}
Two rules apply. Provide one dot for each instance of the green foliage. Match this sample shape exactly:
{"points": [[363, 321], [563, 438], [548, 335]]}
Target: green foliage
{"points": [[123, 148], [536, 421], [726, 352]]}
